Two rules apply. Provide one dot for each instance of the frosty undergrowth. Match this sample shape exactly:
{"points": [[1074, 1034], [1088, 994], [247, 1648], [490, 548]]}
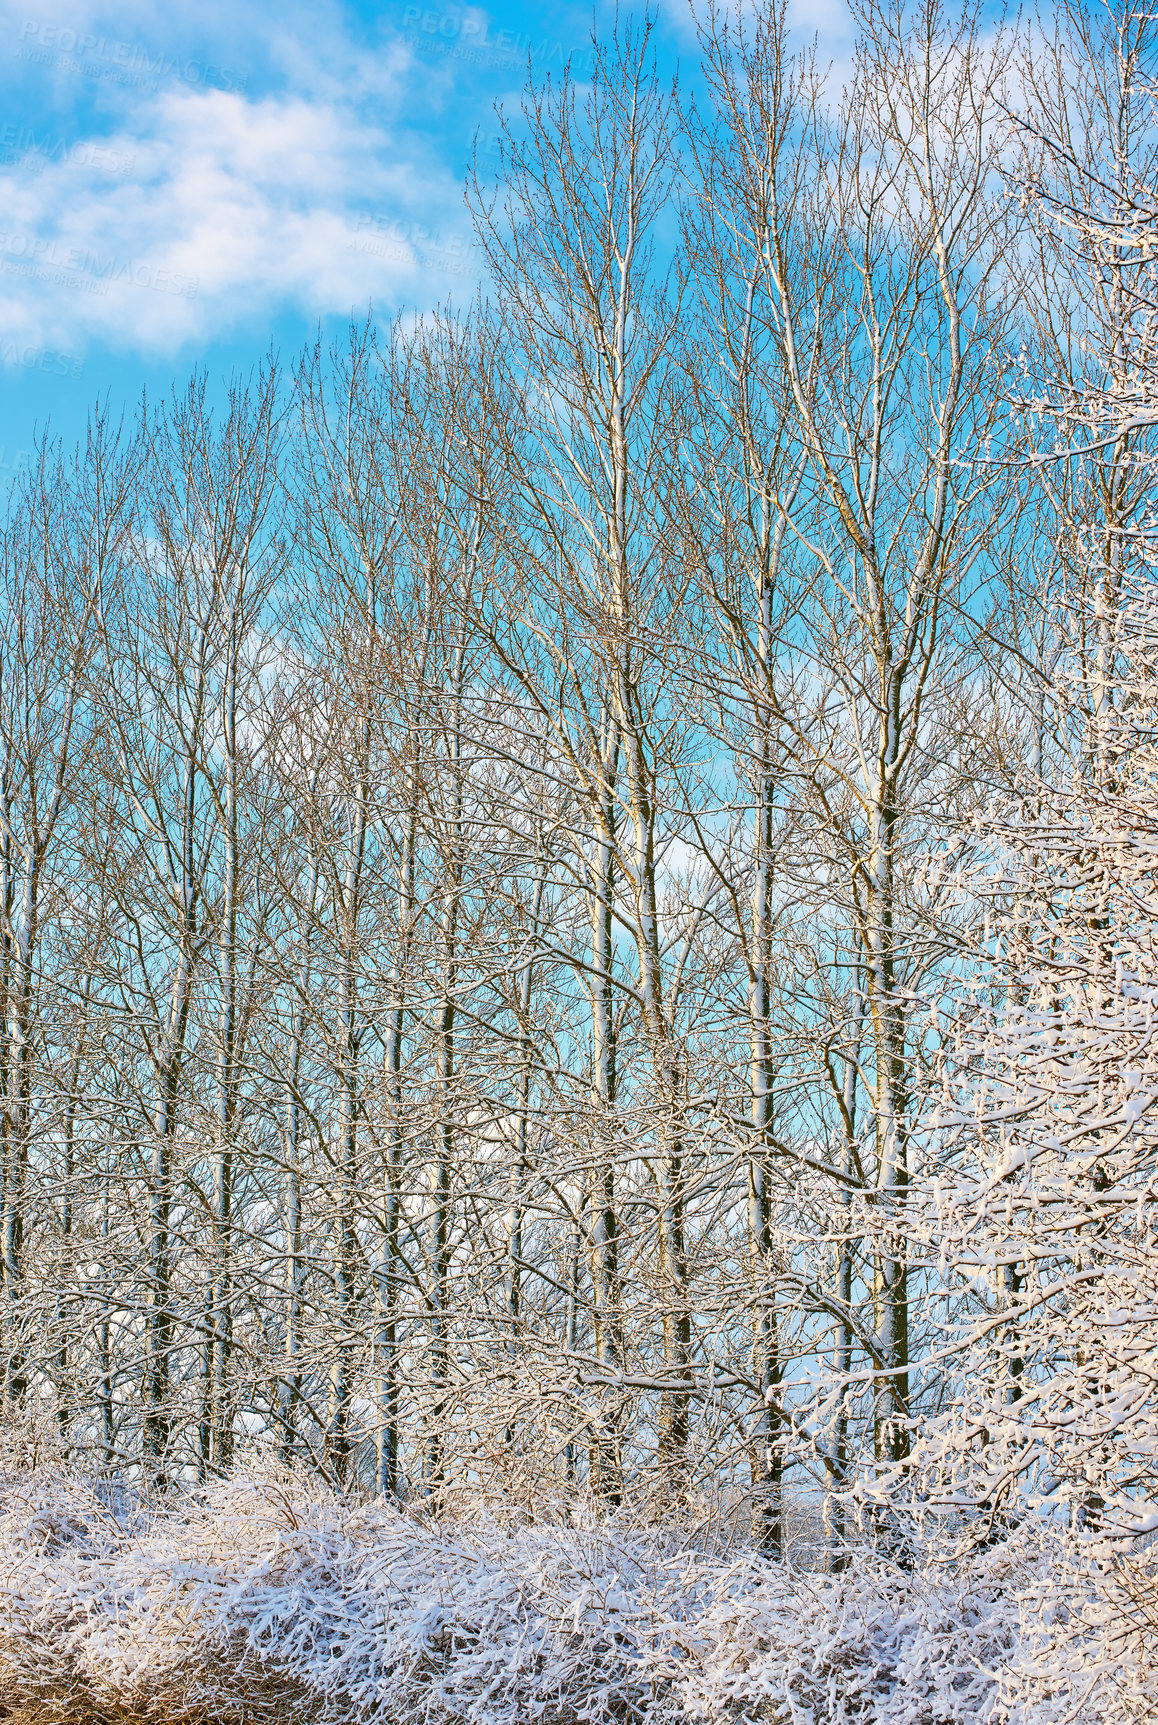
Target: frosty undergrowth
{"points": [[265, 1599]]}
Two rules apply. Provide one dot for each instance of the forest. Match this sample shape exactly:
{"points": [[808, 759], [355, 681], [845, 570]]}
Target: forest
{"points": [[579, 929]]}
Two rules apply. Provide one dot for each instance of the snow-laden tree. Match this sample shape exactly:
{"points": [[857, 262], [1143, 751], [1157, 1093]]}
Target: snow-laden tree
{"points": [[1045, 1215], [1043, 1162]]}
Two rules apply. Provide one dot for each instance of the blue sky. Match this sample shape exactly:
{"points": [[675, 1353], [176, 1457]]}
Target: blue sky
{"points": [[190, 183]]}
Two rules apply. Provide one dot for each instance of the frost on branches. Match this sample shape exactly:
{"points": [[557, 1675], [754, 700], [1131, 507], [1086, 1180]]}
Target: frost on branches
{"points": [[1043, 1216], [1046, 1213]]}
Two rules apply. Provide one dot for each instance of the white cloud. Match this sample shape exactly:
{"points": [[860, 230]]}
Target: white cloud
{"points": [[205, 209]]}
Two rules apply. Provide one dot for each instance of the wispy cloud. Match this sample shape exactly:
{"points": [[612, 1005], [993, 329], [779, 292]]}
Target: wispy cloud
{"points": [[161, 196]]}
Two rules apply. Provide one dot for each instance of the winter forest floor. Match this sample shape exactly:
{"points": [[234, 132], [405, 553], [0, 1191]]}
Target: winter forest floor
{"points": [[266, 1599]]}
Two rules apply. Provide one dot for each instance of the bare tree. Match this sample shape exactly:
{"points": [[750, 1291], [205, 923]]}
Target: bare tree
{"points": [[62, 552]]}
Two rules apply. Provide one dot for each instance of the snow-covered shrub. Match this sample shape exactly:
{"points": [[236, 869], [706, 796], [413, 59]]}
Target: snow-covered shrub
{"points": [[267, 1600]]}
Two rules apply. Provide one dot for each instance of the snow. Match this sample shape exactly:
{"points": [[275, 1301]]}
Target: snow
{"points": [[268, 1594]]}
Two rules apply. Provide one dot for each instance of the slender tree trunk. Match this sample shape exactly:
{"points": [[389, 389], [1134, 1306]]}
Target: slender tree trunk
{"points": [[669, 1118], [440, 1313], [446, 1130], [346, 1242], [65, 1405], [221, 1311], [887, 1020], [388, 1269], [104, 1393], [10, 1220], [837, 1460], [768, 1453], [570, 1454], [21, 1001], [159, 1318], [293, 1269], [519, 1158], [606, 1460]]}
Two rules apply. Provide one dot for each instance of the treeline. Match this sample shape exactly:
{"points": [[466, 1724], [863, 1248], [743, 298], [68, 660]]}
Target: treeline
{"points": [[525, 839]]}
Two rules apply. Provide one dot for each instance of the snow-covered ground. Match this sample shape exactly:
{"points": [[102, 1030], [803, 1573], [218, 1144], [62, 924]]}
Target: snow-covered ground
{"points": [[266, 1599]]}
